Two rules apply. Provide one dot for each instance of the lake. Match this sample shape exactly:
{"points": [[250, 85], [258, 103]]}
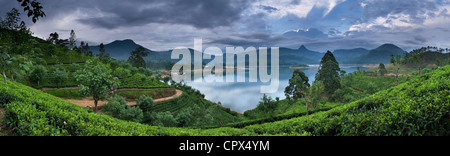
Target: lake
{"points": [[245, 96]]}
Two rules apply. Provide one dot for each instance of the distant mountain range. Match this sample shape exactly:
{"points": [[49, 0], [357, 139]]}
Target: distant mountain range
{"points": [[121, 49]]}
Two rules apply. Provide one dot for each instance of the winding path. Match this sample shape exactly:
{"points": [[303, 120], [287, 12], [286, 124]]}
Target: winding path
{"points": [[89, 102]]}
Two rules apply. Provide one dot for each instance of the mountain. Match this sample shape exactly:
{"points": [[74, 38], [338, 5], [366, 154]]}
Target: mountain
{"points": [[375, 56], [298, 56], [344, 55], [121, 49]]}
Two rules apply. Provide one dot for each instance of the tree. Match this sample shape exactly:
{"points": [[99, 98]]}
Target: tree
{"points": [[72, 40], [12, 20], [115, 106], [313, 96], [60, 76], [382, 69], [396, 61], [164, 119], [146, 103], [6, 61], [53, 38], [133, 114], [38, 74], [102, 51], [297, 85], [137, 57], [96, 80], [328, 73], [267, 104], [416, 57], [34, 9], [184, 117]]}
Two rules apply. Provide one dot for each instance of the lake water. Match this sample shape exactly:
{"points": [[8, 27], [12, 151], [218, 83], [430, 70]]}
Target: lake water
{"points": [[245, 96]]}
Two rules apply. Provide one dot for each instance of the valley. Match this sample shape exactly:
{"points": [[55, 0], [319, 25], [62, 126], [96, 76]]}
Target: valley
{"points": [[60, 86]]}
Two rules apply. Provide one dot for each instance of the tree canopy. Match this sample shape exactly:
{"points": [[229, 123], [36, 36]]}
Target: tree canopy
{"points": [[298, 84], [96, 80], [137, 57], [328, 73]]}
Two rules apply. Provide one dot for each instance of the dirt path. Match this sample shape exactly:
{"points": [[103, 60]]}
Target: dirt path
{"points": [[89, 102]]}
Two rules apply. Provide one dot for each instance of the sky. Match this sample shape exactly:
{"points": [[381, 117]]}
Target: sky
{"points": [[320, 25]]}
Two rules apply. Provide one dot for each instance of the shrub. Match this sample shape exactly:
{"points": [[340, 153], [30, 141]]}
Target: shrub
{"points": [[145, 103], [133, 114]]}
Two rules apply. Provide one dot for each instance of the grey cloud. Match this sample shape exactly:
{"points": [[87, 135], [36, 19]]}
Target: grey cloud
{"points": [[197, 13], [269, 8]]}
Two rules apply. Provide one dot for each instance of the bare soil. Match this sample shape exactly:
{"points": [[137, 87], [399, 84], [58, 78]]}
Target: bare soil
{"points": [[89, 102]]}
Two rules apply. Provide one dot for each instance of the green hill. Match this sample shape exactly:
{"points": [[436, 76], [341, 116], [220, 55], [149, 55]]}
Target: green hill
{"points": [[418, 107], [375, 56]]}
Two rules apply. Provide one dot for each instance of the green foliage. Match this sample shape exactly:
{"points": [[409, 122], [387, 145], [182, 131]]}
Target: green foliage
{"points": [[382, 69], [267, 104], [184, 117], [133, 114], [145, 103], [165, 119], [67, 93], [96, 80], [297, 85], [60, 76], [136, 82], [156, 93], [136, 58], [115, 106], [328, 73], [418, 107], [37, 74]]}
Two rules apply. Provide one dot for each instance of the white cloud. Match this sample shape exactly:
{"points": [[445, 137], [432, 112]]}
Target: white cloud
{"points": [[300, 8]]}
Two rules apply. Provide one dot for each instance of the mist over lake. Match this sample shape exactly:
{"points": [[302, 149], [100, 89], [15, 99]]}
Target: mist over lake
{"points": [[243, 96]]}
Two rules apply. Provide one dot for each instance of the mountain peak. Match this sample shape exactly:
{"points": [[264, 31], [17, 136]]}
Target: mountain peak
{"points": [[129, 41], [389, 47], [302, 48]]}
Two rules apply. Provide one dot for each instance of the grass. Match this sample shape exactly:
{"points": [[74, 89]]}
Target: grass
{"points": [[134, 95], [66, 93]]}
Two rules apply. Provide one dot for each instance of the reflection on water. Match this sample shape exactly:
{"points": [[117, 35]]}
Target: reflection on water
{"points": [[241, 97]]}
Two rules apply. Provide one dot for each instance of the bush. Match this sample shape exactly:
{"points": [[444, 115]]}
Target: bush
{"points": [[115, 106], [165, 119], [145, 103], [133, 114]]}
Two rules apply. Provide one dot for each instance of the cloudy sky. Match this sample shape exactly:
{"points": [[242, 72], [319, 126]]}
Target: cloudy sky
{"points": [[318, 24]]}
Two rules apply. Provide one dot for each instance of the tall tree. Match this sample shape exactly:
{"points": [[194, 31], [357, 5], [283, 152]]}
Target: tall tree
{"points": [[12, 20], [396, 61], [5, 60], [72, 40], [60, 76], [416, 57], [382, 69], [96, 80], [102, 51], [53, 38], [37, 74], [328, 73], [298, 84], [137, 57]]}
